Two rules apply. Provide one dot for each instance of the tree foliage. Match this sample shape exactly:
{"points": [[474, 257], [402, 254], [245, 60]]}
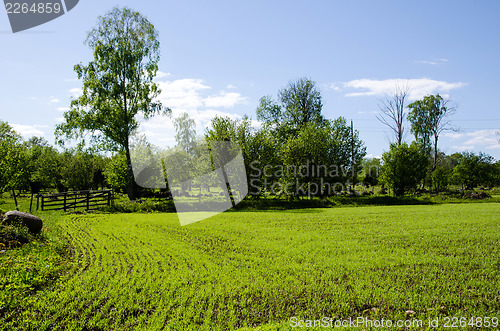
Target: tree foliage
{"points": [[13, 158], [428, 118], [298, 104], [404, 167], [476, 169], [185, 133], [117, 84]]}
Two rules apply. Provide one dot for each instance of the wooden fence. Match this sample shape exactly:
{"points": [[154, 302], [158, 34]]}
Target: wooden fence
{"points": [[90, 200]]}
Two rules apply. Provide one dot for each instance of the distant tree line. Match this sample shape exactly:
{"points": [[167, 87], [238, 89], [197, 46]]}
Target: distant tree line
{"points": [[293, 135]]}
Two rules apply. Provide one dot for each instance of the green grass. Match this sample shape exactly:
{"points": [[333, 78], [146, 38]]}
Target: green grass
{"points": [[29, 263], [258, 269]]}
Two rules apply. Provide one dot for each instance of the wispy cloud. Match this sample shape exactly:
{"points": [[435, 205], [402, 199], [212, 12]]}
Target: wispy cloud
{"points": [[224, 100], [433, 62], [479, 139], [419, 87], [54, 100], [62, 109], [231, 87]]}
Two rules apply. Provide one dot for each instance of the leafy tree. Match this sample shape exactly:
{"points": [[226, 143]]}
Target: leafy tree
{"points": [[441, 178], [262, 151], [371, 170], [235, 131], [324, 152], [115, 172], [298, 104], [117, 85], [13, 158], [78, 170], [185, 133], [43, 164], [226, 129], [428, 118], [403, 167], [474, 170]]}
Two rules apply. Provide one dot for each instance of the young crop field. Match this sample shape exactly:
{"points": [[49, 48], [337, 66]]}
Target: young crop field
{"points": [[261, 269]]}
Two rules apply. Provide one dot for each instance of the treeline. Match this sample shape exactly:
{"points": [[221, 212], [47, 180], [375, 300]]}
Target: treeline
{"points": [[296, 152], [34, 164]]}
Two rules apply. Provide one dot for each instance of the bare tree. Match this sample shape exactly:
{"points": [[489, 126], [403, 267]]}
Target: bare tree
{"points": [[393, 111]]}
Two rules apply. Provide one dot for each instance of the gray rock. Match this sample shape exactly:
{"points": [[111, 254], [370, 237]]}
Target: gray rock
{"points": [[33, 223]]}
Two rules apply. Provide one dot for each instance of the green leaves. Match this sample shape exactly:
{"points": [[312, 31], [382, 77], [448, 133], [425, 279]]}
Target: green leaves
{"points": [[13, 157], [118, 83], [404, 167], [428, 120], [298, 104]]}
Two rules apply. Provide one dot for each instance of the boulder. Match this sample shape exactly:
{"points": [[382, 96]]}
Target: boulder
{"points": [[33, 223]]}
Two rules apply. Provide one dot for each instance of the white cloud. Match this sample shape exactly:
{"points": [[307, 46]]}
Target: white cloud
{"points": [[29, 130], [418, 87], [161, 74], [62, 109], [334, 86], [231, 87], [76, 92], [182, 93], [54, 100], [433, 62], [189, 96], [486, 139], [224, 100]]}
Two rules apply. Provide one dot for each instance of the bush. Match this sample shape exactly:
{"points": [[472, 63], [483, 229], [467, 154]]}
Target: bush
{"points": [[146, 206]]}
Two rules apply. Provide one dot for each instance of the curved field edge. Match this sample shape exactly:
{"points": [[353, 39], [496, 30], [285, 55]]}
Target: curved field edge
{"points": [[259, 269]]}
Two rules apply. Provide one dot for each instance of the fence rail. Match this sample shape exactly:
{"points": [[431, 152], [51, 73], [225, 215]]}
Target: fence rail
{"points": [[90, 200]]}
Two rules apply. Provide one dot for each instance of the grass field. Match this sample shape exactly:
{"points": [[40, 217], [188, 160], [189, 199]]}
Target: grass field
{"points": [[260, 269]]}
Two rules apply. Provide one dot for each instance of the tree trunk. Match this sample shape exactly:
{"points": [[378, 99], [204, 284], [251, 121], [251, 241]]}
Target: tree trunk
{"points": [[15, 199], [130, 175], [435, 153]]}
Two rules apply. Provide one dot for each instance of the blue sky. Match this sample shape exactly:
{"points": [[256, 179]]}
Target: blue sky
{"points": [[220, 57]]}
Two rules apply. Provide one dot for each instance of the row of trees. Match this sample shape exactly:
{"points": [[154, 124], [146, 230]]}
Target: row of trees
{"points": [[34, 164], [406, 167]]}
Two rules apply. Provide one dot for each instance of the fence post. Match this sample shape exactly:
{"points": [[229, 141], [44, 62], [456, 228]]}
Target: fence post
{"points": [[37, 201], [64, 206], [88, 199], [109, 198]]}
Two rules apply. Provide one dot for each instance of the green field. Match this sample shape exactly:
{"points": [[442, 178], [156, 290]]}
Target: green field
{"points": [[259, 269]]}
